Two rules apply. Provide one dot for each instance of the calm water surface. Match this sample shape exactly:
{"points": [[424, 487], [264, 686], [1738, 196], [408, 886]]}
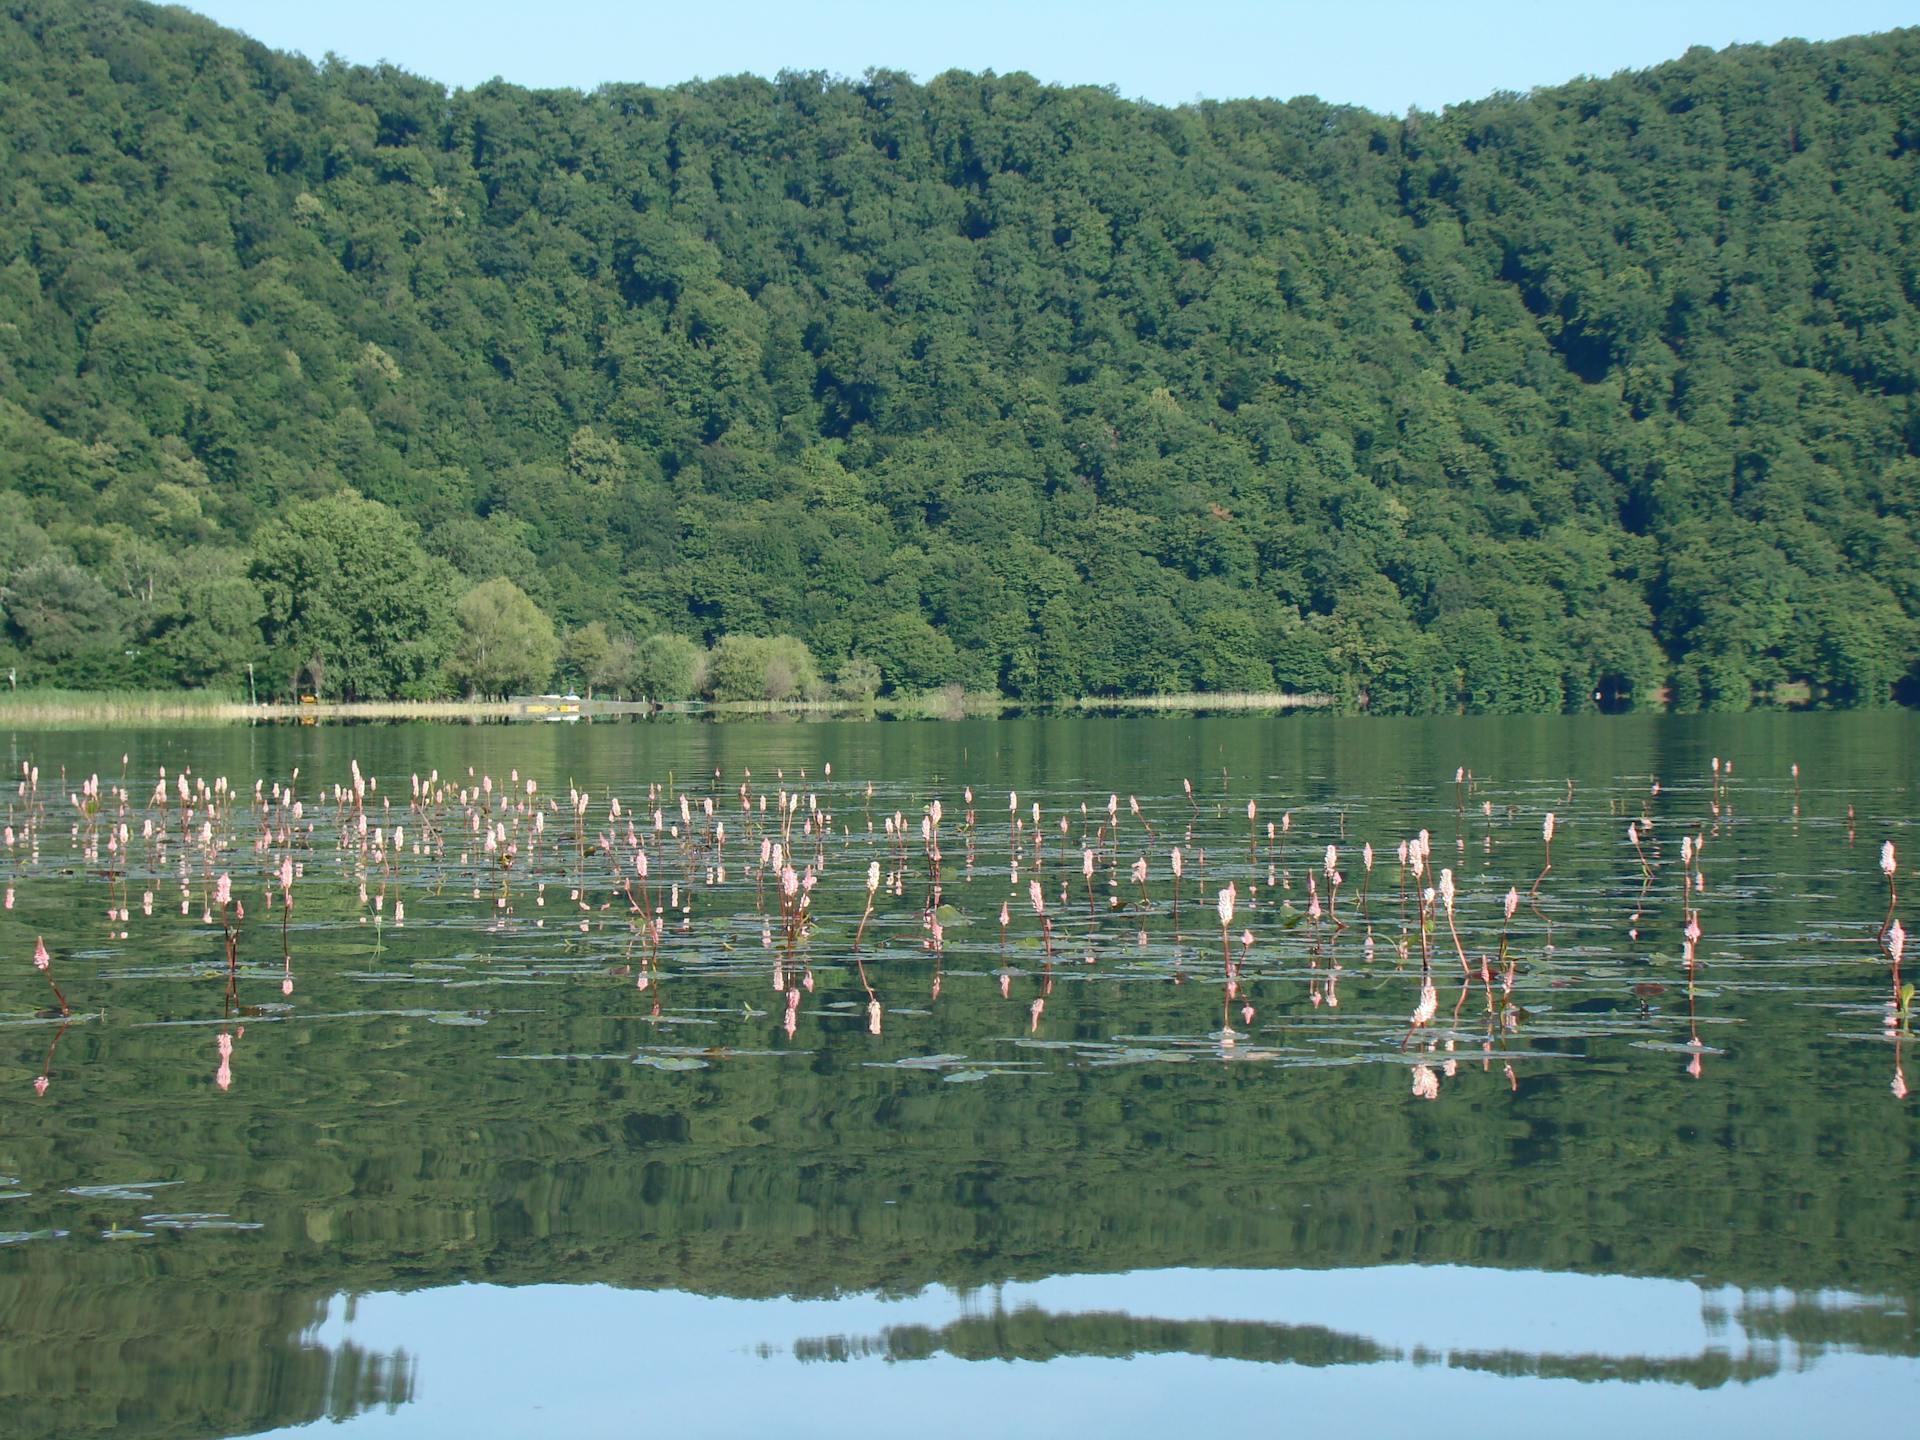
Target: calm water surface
{"points": [[511, 1164]]}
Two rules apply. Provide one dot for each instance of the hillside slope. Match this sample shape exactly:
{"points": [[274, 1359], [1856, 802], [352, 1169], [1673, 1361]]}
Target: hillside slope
{"points": [[1606, 388]]}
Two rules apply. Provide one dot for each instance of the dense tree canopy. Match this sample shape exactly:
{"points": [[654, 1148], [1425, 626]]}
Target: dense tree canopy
{"points": [[1585, 394]]}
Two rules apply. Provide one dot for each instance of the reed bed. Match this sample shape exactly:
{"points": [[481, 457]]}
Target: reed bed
{"points": [[1233, 700]]}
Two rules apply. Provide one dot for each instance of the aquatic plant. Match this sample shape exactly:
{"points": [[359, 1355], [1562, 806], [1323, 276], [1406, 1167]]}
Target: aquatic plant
{"points": [[44, 964]]}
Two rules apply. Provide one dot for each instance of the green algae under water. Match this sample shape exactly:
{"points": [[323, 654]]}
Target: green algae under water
{"points": [[469, 1177]]}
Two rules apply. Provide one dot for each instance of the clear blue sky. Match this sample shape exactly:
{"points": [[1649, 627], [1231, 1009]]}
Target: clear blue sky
{"points": [[1384, 54]]}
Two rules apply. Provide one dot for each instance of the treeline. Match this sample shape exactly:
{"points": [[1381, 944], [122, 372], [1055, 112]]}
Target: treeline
{"points": [[1595, 395]]}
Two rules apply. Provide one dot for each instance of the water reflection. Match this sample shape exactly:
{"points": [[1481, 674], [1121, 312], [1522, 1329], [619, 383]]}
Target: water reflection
{"points": [[1743, 1340], [202, 1364], [483, 1359], [649, 1054]]}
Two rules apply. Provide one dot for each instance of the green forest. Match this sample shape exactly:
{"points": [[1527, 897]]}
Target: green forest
{"points": [[1607, 394]]}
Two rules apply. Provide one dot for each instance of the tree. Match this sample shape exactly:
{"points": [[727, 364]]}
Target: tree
{"points": [[668, 668], [586, 654], [910, 653], [212, 630], [762, 667], [58, 610], [506, 643], [351, 601], [857, 679]]}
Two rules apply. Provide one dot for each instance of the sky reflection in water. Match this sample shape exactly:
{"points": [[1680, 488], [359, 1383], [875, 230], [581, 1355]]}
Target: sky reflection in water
{"points": [[1594, 1353]]}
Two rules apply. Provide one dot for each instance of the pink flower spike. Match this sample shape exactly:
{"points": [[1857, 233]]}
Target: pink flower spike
{"points": [[40, 956]]}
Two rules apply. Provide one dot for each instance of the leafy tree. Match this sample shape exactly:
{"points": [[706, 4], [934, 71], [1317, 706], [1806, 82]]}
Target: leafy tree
{"points": [[352, 604], [858, 679], [56, 610], [212, 631], [909, 653], [755, 667], [588, 653], [505, 642], [669, 667]]}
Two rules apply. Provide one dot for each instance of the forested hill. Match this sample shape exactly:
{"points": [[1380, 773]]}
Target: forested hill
{"points": [[1610, 387]]}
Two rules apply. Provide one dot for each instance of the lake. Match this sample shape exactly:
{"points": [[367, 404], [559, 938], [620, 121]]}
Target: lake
{"points": [[491, 1133]]}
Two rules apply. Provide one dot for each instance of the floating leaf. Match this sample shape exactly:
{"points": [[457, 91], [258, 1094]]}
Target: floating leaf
{"points": [[671, 1062], [130, 1190], [198, 1220]]}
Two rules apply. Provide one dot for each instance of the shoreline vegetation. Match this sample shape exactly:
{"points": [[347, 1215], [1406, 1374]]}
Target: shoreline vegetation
{"points": [[36, 708]]}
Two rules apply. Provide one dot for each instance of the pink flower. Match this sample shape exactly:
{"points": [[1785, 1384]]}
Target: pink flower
{"points": [[1178, 863], [1039, 900], [1886, 859], [1227, 898], [223, 890], [1513, 901], [40, 957], [1426, 1084], [1546, 829], [40, 1083], [1896, 940]]}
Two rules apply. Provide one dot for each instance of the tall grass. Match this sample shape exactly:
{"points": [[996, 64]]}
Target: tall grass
{"points": [[36, 707], [1234, 700]]}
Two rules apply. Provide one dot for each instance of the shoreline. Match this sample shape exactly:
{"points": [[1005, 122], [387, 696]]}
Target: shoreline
{"points": [[186, 707]]}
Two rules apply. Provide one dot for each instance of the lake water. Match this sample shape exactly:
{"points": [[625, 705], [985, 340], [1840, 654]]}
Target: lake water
{"points": [[516, 1163]]}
